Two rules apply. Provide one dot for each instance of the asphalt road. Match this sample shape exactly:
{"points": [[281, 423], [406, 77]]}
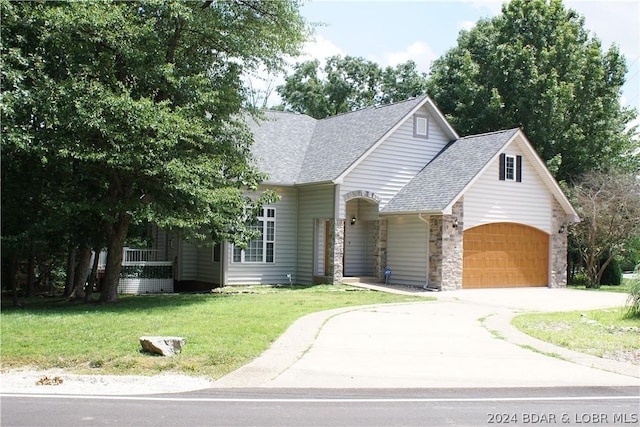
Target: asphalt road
{"points": [[572, 406]]}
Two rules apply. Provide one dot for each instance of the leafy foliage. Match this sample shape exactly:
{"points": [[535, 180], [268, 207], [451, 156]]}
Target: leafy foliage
{"points": [[116, 113], [609, 208], [536, 67], [348, 84]]}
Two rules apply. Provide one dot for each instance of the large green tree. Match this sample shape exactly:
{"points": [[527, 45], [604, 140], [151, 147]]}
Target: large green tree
{"points": [[346, 84], [130, 111], [536, 67]]}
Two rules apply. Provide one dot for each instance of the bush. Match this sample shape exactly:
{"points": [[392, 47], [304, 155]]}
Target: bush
{"points": [[580, 279], [634, 295], [612, 275]]}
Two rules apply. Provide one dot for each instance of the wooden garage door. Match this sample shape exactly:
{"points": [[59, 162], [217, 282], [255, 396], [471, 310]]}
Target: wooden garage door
{"points": [[505, 255]]}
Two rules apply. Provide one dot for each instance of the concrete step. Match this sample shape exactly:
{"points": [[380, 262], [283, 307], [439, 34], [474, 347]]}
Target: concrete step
{"points": [[360, 279]]}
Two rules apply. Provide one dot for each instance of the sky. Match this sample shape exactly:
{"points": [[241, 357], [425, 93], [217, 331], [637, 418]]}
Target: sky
{"points": [[391, 32]]}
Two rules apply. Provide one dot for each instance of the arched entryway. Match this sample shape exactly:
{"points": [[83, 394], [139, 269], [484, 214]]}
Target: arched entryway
{"points": [[361, 236], [505, 255]]}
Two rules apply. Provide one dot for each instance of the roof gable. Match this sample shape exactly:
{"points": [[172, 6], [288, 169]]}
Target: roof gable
{"points": [[440, 183], [339, 141], [297, 149], [448, 176]]}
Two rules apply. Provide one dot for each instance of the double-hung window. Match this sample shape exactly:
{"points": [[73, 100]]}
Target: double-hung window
{"points": [[261, 249]]}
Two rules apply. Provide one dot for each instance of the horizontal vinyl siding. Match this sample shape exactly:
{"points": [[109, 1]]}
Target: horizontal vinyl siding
{"points": [[188, 262], [314, 202], [490, 200], [407, 250], [208, 270], [395, 162], [285, 247]]}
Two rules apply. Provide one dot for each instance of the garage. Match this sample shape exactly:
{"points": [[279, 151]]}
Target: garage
{"points": [[501, 255]]}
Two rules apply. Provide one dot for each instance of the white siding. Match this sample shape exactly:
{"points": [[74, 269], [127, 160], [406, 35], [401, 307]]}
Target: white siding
{"points": [[358, 256], [314, 203], [285, 247], [395, 162], [407, 250], [491, 200]]}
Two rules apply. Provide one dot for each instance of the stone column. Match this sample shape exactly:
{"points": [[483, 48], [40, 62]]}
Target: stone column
{"points": [[435, 251], [558, 247], [337, 254], [380, 249], [446, 249]]}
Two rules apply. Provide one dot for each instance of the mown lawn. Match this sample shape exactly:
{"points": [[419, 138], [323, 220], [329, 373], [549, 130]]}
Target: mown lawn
{"points": [[223, 330], [608, 333]]}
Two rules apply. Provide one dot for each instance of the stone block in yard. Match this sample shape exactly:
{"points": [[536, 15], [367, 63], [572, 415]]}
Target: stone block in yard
{"points": [[164, 346]]}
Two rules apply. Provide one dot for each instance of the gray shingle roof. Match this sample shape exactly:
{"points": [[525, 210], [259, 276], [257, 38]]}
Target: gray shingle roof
{"points": [[298, 149], [340, 141], [444, 178], [280, 144]]}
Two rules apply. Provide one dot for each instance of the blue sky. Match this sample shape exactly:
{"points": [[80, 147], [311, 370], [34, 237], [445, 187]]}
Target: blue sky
{"points": [[390, 32]]}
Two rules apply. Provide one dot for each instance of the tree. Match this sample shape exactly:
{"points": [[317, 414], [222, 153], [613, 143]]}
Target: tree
{"points": [[132, 110], [536, 67], [609, 208], [348, 84]]}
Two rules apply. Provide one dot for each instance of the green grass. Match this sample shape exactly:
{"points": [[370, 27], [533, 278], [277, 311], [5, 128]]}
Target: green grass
{"points": [[223, 330], [624, 287], [604, 333]]}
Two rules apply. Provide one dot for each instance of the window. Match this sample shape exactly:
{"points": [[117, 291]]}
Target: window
{"points": [[262, 249], [420, 126], [510, 167]]}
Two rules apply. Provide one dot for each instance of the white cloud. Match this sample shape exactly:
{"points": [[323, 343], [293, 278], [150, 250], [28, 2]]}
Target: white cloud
{"points": [[466, 25], [419, 52], [320, 49]]}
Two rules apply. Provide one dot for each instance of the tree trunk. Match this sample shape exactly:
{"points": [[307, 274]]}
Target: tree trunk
{"points": [[81, 272], [93, 280], [13, 282], [31, 275], [116, 235], [71, 265]]}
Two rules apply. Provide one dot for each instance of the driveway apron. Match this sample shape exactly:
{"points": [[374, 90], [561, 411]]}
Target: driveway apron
{"points": [[464, 339]]}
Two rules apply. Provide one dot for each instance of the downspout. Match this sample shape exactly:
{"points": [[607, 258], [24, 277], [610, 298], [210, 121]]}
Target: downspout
{"points": [[426, 287]]}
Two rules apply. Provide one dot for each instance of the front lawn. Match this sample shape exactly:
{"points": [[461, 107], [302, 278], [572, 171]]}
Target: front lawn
{"points": [[223, 330]]}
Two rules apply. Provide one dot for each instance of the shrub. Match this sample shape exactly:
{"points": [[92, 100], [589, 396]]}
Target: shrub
{"points": [[580, 279], [612, 275], [634, 295]]}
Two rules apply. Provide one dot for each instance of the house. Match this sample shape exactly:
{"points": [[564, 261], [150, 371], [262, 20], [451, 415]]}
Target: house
{"points": [[395, 190]]}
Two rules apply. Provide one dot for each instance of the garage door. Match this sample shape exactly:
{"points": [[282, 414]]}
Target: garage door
{"points": [[505, 255]]}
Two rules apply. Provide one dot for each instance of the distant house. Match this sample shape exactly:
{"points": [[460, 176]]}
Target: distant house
{"points": [[392, 189]]}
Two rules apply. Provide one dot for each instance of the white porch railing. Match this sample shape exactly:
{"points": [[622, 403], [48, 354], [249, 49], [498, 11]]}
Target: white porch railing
{"points": [[132, 256]]}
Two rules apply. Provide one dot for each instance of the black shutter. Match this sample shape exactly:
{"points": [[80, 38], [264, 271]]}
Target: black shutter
{"points": [[518, 168], [502, 157]]}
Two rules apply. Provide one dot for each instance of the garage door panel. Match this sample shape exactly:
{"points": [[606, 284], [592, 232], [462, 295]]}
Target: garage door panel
{"points": [[505, 255]]}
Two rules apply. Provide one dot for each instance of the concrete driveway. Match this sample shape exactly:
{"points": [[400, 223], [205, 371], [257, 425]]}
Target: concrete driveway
{"points": [[464, 339]]}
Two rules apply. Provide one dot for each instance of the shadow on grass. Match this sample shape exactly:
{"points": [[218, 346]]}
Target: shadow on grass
{"points": [[126, 303], [60, 304]]}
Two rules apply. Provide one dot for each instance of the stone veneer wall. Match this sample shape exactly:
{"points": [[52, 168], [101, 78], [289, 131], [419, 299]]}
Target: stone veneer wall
{"points": [[380, 249], [446, 249], [337, 255], [558, 247]]}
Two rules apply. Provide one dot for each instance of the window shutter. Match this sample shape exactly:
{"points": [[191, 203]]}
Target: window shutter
{"points": [[518, 168], [502, 157]]}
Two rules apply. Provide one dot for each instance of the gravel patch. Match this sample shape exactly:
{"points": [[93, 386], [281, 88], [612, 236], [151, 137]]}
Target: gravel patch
{"points": [[61, 382]]}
